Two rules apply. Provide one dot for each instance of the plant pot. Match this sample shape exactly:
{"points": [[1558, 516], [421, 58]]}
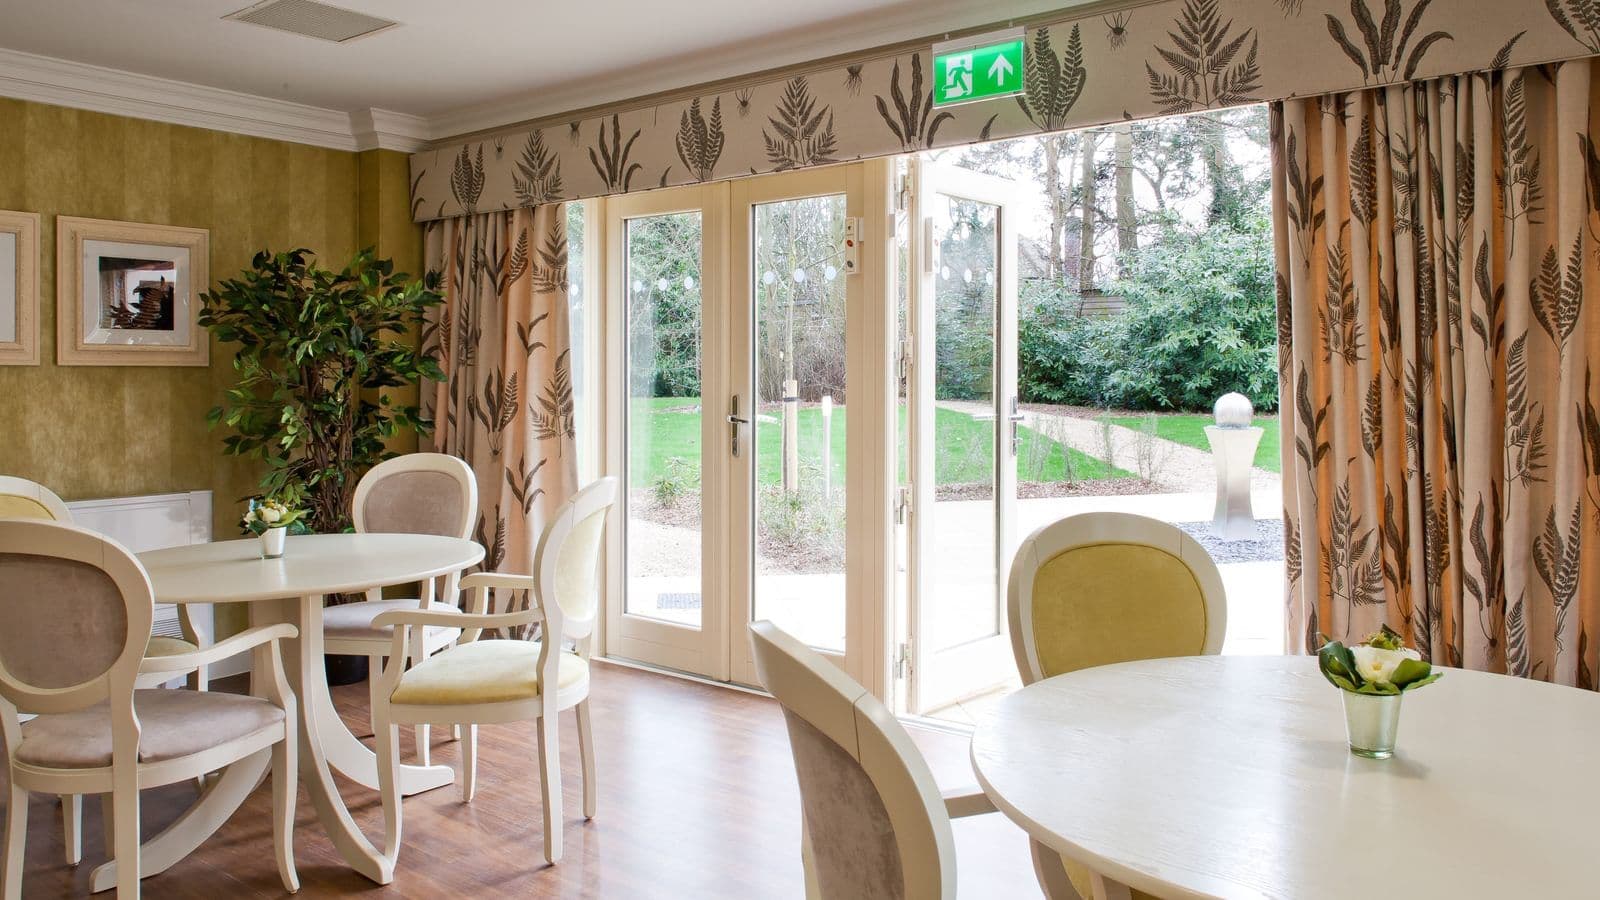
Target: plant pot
{"points": [[1372, 723], [272, 542], [344, 669]]}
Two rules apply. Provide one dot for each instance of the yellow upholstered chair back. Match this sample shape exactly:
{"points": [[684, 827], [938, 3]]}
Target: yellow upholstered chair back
{"points": [[875, 824], [1102, 588], [566, 561], [24, 499]]}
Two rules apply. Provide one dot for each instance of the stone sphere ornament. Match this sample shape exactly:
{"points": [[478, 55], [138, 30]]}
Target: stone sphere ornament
{"points": [[1233, 411]]}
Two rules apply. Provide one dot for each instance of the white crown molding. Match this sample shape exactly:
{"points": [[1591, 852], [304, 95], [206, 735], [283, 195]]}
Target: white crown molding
{"points": [[382, 129], [59, 82], [901, 23]]}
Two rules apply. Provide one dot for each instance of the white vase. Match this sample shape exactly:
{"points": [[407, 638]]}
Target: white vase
{"points": [[272, 542], [1372, 723]]}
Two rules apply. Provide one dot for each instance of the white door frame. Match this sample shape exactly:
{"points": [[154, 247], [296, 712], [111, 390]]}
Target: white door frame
{"points": [[939, 677], [869, 483], [720, 649], [704, 650]]}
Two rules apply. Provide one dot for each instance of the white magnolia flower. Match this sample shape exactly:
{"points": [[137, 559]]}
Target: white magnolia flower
{"points": [[1378, 664], [249, 517], [270, 515]]}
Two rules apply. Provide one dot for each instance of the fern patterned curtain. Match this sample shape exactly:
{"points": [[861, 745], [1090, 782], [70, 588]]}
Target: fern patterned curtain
{"points": [[1437, 243], [502, 338]]}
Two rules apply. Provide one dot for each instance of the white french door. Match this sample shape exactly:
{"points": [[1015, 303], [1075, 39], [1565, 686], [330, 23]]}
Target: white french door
{"points": [[962, 430], [748, 416]]}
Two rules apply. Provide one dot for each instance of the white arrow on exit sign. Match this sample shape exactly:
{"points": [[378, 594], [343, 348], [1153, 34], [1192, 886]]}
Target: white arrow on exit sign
{"points": [[998, 70]]}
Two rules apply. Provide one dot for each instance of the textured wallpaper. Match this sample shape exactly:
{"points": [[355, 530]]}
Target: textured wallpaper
{"points": [[91, 431]]}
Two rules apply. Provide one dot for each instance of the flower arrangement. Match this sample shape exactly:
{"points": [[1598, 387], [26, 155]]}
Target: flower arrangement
{"points": [[1372, 677], [269, 513], [1381, 665]]}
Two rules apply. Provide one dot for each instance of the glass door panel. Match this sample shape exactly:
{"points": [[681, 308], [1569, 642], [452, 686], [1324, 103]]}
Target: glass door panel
{"points": [[662, 278], [960, 603], [798, 286]]}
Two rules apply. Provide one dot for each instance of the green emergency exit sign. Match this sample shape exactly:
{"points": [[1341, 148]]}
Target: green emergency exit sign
{"points": [[979, 68]]}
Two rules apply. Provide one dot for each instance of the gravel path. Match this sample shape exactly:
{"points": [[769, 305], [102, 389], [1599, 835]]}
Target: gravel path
{"points": [[1171, 466], [1267, 545]]}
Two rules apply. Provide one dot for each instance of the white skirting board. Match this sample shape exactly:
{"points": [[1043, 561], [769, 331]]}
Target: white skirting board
{"points": [[153, 522]]}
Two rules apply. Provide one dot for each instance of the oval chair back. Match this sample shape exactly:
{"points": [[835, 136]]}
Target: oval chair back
{"points": [[875, 824], [418, 493], [62, 586], [24, 499], [566, 562], [1101, 588]]}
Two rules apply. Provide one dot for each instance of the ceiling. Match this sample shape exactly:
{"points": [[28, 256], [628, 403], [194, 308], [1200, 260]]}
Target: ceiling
{"points": [[466, 65]]}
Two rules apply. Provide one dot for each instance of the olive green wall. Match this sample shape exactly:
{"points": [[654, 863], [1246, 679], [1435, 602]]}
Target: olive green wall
{"points": [[91, 431]]}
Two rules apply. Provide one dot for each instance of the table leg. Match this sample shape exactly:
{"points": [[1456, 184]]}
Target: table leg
{"points": [[321, 726], [199, 822], [1106, 889], [358, 762]]}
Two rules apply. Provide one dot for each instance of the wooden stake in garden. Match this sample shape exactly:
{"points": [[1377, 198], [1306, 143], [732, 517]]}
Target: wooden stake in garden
{"points": [[791, 436], [827, 447]]}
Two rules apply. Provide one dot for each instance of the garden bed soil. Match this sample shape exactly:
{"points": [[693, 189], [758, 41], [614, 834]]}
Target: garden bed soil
{"points": [[1035, 490]]}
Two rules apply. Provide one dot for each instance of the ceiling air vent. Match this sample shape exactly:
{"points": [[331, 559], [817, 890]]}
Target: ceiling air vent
{"points": [[318, 20]]}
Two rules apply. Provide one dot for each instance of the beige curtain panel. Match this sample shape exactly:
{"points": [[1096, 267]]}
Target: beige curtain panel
{"points": [[501, 337], [1151, 59], [1437, 243]]}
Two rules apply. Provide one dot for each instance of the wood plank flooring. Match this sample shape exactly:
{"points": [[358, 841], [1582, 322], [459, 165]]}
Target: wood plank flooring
{"points": [[697, 799]]}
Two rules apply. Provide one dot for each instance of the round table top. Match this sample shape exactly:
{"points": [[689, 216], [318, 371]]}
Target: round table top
{"points": [[233, 571], [1229, 776]]}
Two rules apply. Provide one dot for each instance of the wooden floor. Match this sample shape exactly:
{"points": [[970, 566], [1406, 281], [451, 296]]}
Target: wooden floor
{"points": [[697, 799]]}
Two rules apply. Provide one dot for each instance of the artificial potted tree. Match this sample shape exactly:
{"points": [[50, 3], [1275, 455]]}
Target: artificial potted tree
{"points": [[318, 353]]}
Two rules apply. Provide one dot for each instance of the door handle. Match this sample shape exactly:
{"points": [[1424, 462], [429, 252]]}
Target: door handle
{"points": [[1016, 418], [734, 421]]}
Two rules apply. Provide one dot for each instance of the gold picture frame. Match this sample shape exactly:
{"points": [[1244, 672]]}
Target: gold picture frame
{"points": [[128, 294], [19, 288]]}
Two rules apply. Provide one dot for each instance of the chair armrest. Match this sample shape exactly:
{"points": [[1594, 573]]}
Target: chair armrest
{"points": [[244, 640], [505, 580], [966, 800], [408, 618]]}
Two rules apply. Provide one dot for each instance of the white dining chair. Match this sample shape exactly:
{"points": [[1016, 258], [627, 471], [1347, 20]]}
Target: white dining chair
{"points": [[494, 681], [24, 499], [94, 731], [418, 493], [874, 824], [1100, 588]]}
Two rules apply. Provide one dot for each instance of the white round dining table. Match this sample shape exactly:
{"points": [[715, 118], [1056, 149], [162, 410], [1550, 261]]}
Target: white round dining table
{"points": [[291, 589], [1229, 776]]}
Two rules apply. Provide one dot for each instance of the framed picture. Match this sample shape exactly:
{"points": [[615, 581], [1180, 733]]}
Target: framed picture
{"points": [[129, 294], [19, 288]]}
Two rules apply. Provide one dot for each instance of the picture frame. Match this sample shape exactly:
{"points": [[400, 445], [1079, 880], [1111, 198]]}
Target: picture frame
{"points": [[128, 294], [19, 288]]}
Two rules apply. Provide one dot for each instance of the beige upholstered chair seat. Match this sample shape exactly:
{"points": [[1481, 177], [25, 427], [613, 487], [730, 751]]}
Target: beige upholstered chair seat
{"points": [[483, 672], [354, 620], [172, 724], [161, 645]]}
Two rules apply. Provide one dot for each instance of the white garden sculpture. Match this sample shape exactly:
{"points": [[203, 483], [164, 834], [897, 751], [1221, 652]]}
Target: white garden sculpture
{"points": [[1233, 449]]}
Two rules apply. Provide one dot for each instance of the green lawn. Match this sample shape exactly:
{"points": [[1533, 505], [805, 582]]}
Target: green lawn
{"points": [[1190, 429], [666, 427]]}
